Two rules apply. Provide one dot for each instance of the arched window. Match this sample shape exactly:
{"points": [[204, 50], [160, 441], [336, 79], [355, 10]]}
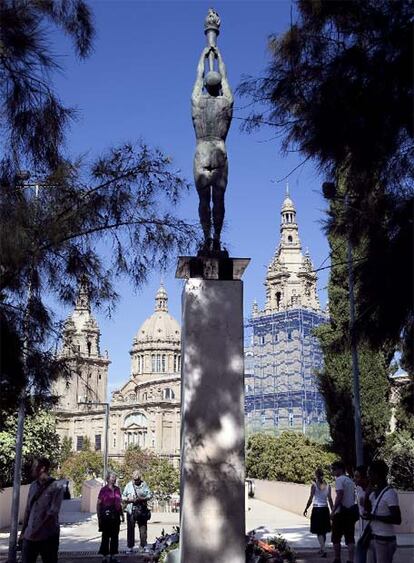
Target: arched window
{"points": [[136, 419], [158, 365], [153, 363], [164, 363]]}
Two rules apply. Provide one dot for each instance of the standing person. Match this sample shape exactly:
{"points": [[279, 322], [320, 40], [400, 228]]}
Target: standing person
{"points": [[383, 514], [343, 517], [110, 514], [136, 494], [40, 533], [320, 523]]}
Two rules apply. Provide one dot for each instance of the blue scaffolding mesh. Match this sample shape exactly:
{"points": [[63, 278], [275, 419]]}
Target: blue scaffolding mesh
{"points": [[282, 355]]}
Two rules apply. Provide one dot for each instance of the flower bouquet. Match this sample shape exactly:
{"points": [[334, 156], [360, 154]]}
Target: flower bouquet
{"points": [[265, 548]]}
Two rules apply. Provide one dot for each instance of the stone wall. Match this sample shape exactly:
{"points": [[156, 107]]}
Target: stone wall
{"points": [[6, 501], [293, 497]]}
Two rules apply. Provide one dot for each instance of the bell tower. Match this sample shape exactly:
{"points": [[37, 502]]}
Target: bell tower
{"points": [[290, 280], [81, 348]]}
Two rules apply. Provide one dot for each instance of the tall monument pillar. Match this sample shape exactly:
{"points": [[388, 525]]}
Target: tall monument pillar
{"points": [[212, 411], [212, 379]]}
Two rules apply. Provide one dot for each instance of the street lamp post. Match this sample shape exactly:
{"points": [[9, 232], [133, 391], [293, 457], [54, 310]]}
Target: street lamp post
{"points": [[21, 414], [106, 432], [359, 450], [329, 190]]}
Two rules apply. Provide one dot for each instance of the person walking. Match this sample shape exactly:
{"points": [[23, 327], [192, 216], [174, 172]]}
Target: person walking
{"points": [[40, 532], [343, 512], [383, 514], [110, 515], [320, 523], [137, 494]]}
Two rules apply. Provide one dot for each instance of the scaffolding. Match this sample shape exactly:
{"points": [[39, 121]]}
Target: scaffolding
{"points": [[282, 355]]}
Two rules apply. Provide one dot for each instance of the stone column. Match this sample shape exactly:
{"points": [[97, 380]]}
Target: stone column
{"points": [[212, 414]]}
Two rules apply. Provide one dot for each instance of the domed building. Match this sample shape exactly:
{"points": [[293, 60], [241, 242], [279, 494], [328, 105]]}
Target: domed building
{"points": [[146, 410]]}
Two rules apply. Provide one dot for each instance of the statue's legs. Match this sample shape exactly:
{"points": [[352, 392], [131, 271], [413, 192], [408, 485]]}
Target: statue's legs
{"points": [[218, 191], [204, 210]]}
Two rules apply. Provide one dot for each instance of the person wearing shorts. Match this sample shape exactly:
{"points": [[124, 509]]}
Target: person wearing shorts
{"points": [[343, 521]]}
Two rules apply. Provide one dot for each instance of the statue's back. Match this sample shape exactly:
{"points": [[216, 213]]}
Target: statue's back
{"points": [[212, 117]]}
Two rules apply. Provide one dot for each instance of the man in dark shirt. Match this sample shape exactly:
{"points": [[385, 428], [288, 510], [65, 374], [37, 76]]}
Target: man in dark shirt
{"points": [[40, 533]]}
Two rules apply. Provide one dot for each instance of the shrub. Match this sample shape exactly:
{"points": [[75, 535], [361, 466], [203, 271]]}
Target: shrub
{"points": [[40, 439], [398, 453], [289, 457]]}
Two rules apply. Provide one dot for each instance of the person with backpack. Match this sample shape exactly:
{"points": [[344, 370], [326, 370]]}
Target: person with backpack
{"points": [[40, 532], [136, 494], [320, 523]]}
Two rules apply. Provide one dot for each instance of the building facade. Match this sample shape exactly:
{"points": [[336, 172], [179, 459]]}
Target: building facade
{"points": [[281, 352], [145, 411]]}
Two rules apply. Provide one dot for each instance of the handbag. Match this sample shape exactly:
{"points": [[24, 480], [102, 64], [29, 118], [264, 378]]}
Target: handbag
{"points": [[141, 512], [366, 535], [108, 515]]}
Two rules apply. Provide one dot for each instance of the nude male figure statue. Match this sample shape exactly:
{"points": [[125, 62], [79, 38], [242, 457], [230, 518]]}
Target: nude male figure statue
{"points": [[212, 113]]}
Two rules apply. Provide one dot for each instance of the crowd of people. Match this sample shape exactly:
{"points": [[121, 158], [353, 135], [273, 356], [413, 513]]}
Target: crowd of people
{"points": [[368, 500]]}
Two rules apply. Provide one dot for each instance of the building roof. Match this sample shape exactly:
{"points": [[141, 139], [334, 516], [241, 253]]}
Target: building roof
{"points": [[160, 326]]}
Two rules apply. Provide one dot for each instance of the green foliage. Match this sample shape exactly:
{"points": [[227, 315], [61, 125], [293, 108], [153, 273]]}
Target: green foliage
{"points": [[81, 466], [404, 410], [86, 444], [290, 457], [33, 119], [66, 447], [135, 460], [40, 439], [398, 453], [162, 477], [335, 379]]}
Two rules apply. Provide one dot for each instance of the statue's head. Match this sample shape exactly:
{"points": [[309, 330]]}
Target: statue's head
{"points": [[212, 82]]}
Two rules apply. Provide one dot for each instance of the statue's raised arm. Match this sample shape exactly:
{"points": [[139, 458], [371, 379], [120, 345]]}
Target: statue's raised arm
{"points": [[199, 82], [225, 86]]}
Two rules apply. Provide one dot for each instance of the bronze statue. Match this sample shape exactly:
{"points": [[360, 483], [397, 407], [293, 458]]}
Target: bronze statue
{"points": [[212, 110]]}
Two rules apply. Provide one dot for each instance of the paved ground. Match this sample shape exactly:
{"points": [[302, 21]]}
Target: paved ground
{"points": [[80, 538]]}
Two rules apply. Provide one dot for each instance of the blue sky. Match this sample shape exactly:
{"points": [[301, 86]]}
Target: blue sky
{"points": [[137, 84]]}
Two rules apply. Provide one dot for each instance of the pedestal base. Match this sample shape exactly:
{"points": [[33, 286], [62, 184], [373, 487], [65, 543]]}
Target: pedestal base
{"points": [[212, 428]]}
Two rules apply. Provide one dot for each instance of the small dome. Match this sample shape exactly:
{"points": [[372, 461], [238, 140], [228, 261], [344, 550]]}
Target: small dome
{"points": [[160, 326]]}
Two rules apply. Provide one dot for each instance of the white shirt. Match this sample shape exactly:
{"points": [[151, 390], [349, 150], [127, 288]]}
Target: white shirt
{"points": [[389, 498], [345, 484], [361, 502], [320, 496]]}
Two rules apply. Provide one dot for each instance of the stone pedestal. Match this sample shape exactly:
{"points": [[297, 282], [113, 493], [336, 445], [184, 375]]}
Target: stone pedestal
{"points": [[212, 430]]}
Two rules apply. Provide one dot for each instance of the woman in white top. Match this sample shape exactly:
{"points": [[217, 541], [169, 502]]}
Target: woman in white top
{"points": [[320, 523]]}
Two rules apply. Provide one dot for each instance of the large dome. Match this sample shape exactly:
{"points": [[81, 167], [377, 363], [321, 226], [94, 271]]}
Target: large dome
{"points": [[160, 326]]}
